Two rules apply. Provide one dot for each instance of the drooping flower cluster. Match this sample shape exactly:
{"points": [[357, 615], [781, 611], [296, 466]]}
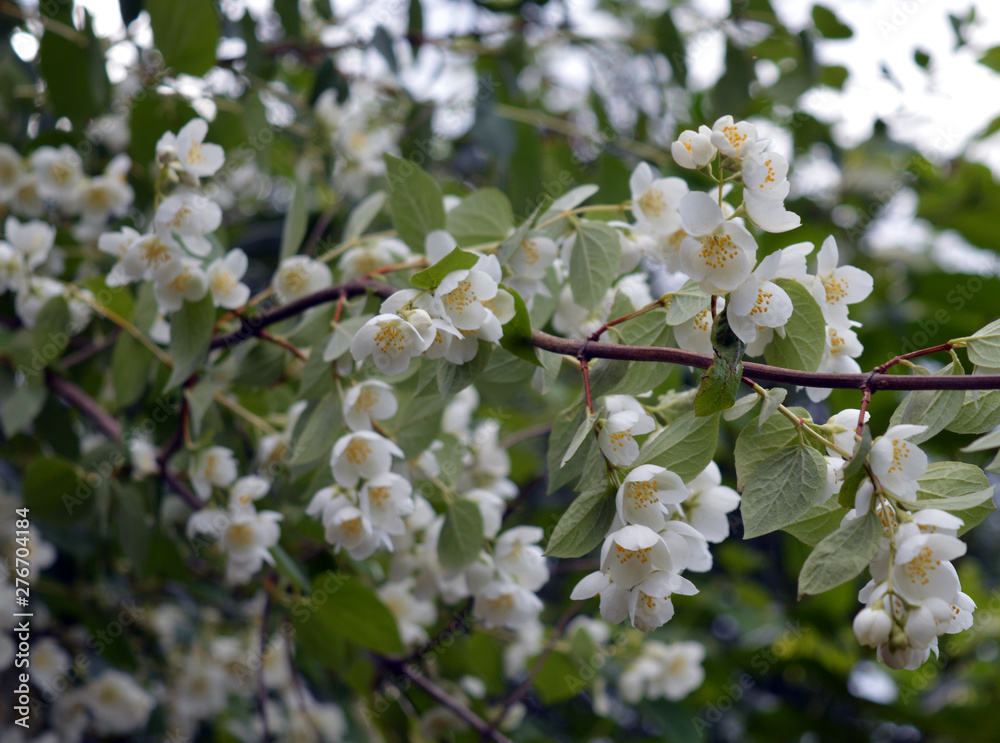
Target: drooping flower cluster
{"points": [[653, 538]]}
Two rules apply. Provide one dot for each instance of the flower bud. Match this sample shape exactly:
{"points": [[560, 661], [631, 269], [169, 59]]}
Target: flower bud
{"points": [[872, 627]]}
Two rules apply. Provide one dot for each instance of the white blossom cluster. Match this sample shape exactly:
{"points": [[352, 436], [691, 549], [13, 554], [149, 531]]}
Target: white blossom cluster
{"points": [[915, 594], [662, 526], [177, 253]]}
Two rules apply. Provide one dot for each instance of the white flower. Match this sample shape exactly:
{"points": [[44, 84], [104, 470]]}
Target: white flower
{"points": [[59, 172], [663, 671], [709, 503], [733, 139], [462, 294], [362, 454], [117, 244], [214, 466], [200, 690], [505, 604], [179, 281], [645, 493], [118, 704], [649, 604], [224, 276], [245, 535], [38, 290], [617, 437], [839, 354], [717, 253], [371, 256], [922, 569], [694, 149], [299, 276], [368, 401], [346, 525], [632, 553], [33, 240], [11, 168], [246, 491], [27, 201], [392, 341], [386, 499], [107, 195], [195, 156], [765, 186], [759, 302], [532, 258], [897, 463], [11, 267], [835, 288], [614, 599], [412, 615], [142, 454], [145, 256], [48, 663], [655, 200], [519, 558], [185, 218]]}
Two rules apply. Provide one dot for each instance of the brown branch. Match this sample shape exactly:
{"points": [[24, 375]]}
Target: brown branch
{"points": [[251, 327], [264, 335], [477, 723], [85, 404], [763, 372]]}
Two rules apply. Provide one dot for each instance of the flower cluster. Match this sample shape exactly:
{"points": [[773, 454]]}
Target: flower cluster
{"points": [[468, 306], [915, 594], [177, 253], [655, 535]]}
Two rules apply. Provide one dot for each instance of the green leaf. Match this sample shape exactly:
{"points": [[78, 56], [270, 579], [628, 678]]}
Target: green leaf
{"points": [[932, 408], [461, 535], [513, 242], [860, 453], [382, 42], [200, 399], [190, 335], [415, 202], [686, 303], [517, 332], [76, 78], [288, 568], [55, 492], [293, 231], [741, 407], [51, 334], [805, 333], [585, 523], [960, 488], [671, 44], [317, 430], [841, 556], [991, 59], [720, 384], [685, 447], [593, 262], [340, 606], [989, 441], [453, 378], [20, 405], [983, 346], [363, 215], [343, 334], [771, 404], [564, 428], [482, 217], [819, 521], [829, 25], [456, 260], [417, 422], [186, 32], [980, 412], [586, 429], [559, 679], [782, 490], [134, 527], [569, 200], [130, 366], [757, 444]]}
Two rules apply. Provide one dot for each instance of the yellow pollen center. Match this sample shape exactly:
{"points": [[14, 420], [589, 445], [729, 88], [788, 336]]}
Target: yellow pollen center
{"points": [[643, 493], [357, 451], [240, 535], [390, 336], [652, 203], [717, 250]]}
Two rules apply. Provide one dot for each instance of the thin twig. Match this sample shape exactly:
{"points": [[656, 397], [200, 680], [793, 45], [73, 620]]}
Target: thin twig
{"points": [[85, 404]]}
